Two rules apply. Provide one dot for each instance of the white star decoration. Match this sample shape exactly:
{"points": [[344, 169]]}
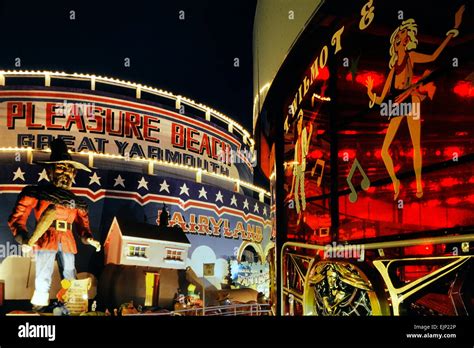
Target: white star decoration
{"points": [[184, 189], [95, 179], [164, 186], [119, 181], [142, 183], [202, 193], [19, 174], [219, 197], [43, 176]]}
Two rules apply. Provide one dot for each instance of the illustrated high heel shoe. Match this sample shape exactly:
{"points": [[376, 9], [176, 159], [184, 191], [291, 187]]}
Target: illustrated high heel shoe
{"points": [[396, 189]]}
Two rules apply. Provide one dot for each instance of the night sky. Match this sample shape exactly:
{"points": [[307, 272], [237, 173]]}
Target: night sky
{"points": [[192, 57]]}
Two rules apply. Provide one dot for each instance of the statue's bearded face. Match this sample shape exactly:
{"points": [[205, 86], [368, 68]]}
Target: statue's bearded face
{"points": [[62, 174], [332, 279]]}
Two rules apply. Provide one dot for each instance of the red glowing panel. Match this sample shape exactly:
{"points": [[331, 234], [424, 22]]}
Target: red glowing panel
{"points": [[315, 154], [420, 250], [464, 89], [362, 76], [413, 185], [453, 200], [461, 134], [448, 182], [411, 273], [348, 132], [371, 189], [451, 150], [433, 203], [323, 74], [346, 153]]}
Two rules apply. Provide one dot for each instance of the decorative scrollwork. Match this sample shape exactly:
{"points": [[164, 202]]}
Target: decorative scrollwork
{"points": [[339, 289]]}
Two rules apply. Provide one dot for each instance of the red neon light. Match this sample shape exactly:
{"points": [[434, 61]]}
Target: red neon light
{"points": [[371, 189], [346, 152], [433, 203], [420, 250], [461, 134], [450, 150], [323, 74], [448, 182], [464, 89], [362, 76], [315, 154], [453, 200], [470, 199]]}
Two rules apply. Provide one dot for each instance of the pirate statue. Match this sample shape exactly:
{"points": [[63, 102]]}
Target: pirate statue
{"points": [[56, 209]]}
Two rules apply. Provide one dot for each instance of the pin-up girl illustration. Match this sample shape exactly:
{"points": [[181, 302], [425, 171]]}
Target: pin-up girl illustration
{"points": [[301, 151], [399, 84]]}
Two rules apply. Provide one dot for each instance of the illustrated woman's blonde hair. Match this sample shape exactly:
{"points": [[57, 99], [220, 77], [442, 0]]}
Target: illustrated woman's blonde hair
{"points": [[412, 30]]}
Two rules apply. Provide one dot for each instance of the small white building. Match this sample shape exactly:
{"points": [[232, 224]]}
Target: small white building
{"points": [[140, 244]]}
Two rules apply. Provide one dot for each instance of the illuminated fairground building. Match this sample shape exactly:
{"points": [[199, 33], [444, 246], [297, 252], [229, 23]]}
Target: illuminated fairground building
{"points": [[372, 185], [146, 148]]}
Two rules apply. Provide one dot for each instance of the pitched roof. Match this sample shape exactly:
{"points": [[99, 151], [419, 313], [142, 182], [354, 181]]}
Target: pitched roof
{"points": [[148, 231]]}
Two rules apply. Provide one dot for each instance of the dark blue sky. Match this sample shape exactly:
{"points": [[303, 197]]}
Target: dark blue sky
{"points": [[193, 57]]}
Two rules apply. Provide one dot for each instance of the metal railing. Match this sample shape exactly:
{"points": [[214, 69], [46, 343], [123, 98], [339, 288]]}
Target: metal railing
{"points": [[244, 309], [380, 246]]}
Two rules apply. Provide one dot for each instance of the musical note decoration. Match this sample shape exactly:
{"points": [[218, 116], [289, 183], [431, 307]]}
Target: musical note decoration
{"points": [[324, 231], [321, 163], [365, 183]]}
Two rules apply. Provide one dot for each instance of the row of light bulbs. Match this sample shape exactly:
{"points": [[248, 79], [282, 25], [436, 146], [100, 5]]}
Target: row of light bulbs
{"points": [[143, 88]]}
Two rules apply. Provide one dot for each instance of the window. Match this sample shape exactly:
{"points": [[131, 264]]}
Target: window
{"points": [[137, 251], [174, 254]]}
